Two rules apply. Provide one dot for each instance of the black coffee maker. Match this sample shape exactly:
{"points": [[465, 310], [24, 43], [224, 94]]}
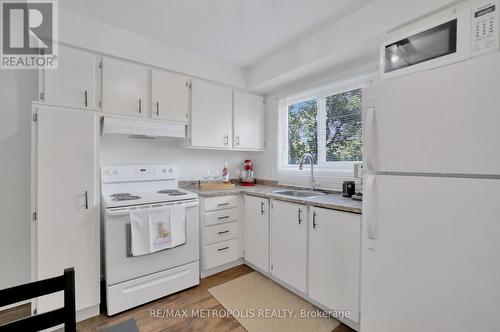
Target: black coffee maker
{"points": [[348, 188]]}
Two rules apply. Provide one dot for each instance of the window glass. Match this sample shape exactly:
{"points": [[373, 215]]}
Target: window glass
{"points": [[344, 126], [302, 130]]}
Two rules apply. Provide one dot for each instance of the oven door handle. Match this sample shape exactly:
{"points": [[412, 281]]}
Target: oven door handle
{"points": [[126, 211]]}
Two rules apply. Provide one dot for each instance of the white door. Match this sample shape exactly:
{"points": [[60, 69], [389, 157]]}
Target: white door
{"points": [[73, 83], [124, 88], [256, 231], [169, 96], [289, 243], [67, 205], [249, 121], [334, 260], [434, 261], [211, 115], [438, 121]]}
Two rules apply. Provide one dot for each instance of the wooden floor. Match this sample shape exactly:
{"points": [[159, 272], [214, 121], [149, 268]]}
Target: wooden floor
{"points": [[191, 299]]}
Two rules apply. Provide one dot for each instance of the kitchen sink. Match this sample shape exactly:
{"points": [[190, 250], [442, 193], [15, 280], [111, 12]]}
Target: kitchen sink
{"points": [[299, 193]]}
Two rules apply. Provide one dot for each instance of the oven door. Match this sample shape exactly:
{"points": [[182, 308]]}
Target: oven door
{"points": [[442, 43], [121, 266]]}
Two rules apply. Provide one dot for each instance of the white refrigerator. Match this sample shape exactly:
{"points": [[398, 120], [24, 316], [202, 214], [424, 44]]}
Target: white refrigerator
{"points": [[431, 206]]}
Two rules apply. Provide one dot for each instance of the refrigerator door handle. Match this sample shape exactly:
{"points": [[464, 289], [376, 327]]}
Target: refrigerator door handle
{"points": [[369, 137], [371, 222]]}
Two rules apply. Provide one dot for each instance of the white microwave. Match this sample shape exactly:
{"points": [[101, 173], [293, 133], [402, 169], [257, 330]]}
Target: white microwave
{"points": [[452, 39]]}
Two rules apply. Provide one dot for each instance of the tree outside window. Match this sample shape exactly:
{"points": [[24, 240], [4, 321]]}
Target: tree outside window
{"points": [[328, 127]]}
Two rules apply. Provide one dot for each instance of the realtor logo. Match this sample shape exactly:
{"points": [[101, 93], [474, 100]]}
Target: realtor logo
{"points": [[29, 35]]}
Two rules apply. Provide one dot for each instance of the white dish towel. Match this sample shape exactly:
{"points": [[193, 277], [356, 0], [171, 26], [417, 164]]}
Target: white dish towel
{"points": [[139, 232], [160, 231], [178, 225], [157, 229]]}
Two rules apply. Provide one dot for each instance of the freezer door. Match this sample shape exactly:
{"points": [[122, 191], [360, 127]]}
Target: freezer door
{"points": [[434, 262], [438, 121]]}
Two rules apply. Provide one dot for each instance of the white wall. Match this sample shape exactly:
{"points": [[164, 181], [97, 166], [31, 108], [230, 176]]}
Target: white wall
{"points": [[17, 89], [88, 34], [193, 163]]}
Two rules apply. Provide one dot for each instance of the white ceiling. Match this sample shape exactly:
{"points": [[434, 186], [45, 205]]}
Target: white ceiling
{"points": [[236, 32]]}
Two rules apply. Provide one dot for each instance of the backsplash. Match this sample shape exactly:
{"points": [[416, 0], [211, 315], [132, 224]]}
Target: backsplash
{"points": [[193, 163]]}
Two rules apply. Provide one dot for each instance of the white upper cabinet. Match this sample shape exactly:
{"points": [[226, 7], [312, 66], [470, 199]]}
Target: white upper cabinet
{"points": [[334, 260], [211, 116], [249, 121], [257, 231], [124, 88], [169, 96], [73, 83], [289, 243]]}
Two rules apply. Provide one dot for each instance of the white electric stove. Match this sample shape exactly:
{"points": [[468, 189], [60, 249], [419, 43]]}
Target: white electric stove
{"points": [[135, 280]]}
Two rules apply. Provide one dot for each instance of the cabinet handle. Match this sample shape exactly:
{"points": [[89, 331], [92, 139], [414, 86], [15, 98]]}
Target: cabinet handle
{"points": [[222, 204], [299, 216], [140, 105], [222, 249], [262, 208], [157, 108], [314, 219], [86, 200], [226, 140], [238, 140], [223, 232], [86, 99], [225, 217]]}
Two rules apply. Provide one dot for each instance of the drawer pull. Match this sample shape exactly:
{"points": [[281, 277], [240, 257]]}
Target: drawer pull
{"points": [[223, 232], [222, 204], [222, 249], [225, 217]]}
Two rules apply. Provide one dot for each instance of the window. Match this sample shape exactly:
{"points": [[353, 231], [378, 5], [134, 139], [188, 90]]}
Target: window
{"points": [[326, 125], [302, 130]]}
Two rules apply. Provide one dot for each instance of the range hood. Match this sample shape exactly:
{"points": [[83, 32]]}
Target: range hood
{"points": [[143, 127]]}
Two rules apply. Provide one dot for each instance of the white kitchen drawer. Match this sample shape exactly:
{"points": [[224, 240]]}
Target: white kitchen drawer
{"points": [[138, 291], [221, 253], [223, 232], [220, 202], [219, 217]]}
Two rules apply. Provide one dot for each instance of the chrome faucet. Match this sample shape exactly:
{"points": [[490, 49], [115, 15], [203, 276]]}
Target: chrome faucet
{"points": [[301, 167]]}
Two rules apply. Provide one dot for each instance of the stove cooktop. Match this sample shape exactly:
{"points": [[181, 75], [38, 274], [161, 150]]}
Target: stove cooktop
{"points": [[122, 199]]}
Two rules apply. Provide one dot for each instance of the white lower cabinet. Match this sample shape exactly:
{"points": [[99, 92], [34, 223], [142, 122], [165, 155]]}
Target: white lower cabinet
{"points": [[257, 231], [289, 243], [334, 260], [220, 233]]}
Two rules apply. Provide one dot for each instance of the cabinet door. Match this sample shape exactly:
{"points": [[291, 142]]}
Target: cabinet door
{"points": [[73, 83], [249, 121], [67, 228], [124, 88], [169, 96], [257, 231], [211, 115], [289, 243], [334, 260]]}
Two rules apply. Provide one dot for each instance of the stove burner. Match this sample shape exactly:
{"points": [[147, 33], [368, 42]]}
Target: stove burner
{"points": [[172, 192], [119, 194], [126, 198]]}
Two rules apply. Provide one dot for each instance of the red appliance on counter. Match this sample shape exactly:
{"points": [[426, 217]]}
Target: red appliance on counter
{"points": [[247, 178]]}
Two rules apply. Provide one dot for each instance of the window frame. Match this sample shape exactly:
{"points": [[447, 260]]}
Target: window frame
{"points": [[320, 95]]}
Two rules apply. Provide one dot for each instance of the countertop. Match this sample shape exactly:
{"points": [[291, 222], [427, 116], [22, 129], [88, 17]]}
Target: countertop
{"points": [[333, 201]]}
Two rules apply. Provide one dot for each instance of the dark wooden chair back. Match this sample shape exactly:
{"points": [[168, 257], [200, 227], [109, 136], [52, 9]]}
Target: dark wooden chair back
{"points": [[65, 315]]}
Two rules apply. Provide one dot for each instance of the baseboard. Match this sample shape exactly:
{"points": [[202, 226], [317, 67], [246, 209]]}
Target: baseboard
{"points": [[14, 305], [87, 313], [215, 270]]}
